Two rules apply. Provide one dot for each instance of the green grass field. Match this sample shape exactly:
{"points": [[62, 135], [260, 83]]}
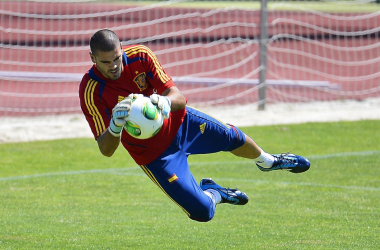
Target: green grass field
{"points": [[64, 195]]}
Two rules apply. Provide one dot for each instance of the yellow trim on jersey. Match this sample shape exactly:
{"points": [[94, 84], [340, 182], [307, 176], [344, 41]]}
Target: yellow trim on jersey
{"points": [[92, 109], [120, 98], [151, 176], [140, 48]]}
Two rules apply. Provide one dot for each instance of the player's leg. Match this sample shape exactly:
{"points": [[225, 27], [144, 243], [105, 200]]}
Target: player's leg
{"points": [[248, 150], [267, 162], [211, 135], [171, 173], [203, 134]]}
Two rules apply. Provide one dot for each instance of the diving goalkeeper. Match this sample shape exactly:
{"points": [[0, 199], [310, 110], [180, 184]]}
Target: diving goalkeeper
{"points": [[133, 71]]}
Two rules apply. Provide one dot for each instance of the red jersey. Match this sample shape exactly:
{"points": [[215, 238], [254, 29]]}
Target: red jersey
{"points": [[142, 74]]}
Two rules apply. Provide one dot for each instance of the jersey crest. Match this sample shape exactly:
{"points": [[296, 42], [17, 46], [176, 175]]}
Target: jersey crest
{"points": [[140, 80]]}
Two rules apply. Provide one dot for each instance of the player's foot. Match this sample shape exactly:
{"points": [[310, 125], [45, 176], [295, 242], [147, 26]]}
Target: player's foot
{"points": [[292, 163], [231, 196]]}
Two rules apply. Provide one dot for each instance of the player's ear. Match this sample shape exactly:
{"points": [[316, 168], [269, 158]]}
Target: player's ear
{"points": [[92, 57]]}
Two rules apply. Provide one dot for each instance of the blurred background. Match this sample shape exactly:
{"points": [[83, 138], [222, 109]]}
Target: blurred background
{"points": [[219, 53]]}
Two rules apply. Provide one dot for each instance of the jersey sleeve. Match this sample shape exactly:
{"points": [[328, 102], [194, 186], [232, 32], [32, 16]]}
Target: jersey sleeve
{"points": [[92, 108], [156, 74]]}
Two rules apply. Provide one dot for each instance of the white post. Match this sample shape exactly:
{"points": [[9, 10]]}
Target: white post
{"points": [[263, 53]]}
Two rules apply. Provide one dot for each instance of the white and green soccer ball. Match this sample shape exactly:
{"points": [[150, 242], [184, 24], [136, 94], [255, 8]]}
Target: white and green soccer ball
{"points": [[144, 120]]}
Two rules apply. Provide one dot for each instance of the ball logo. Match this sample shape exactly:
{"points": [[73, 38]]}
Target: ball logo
{"points": [[132, 129], [150, 111]]}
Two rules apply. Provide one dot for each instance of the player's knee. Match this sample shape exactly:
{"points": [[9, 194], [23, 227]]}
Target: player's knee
{"points": [[238, 138], [200, 219], [204, 214]]}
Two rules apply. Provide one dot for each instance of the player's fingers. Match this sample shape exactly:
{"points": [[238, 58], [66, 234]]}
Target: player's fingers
{"points": [[121, 107], [120, 122], [126, 101], [120, 114], [135, 96], [154, 98], [165, 113], [161, 103]]}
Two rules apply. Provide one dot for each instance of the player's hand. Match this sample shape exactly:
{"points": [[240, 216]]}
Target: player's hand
{"points": [[119, 113], [134, 96], [163, 103]]}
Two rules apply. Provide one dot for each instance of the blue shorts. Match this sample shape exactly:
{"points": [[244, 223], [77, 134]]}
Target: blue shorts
{"points": [[198, 134]]}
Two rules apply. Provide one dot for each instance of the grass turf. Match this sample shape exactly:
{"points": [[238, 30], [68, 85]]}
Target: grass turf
{"points": [[63, 194]]}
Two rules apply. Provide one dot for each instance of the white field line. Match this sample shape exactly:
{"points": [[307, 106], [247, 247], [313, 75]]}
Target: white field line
{"points": [[130, 172]]}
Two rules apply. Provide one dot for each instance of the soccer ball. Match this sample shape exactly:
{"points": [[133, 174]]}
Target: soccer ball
{"points": [[144, 120]]}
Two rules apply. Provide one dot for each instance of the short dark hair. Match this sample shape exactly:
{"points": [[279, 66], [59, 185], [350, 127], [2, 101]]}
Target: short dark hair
{"points": [[104, 40]]}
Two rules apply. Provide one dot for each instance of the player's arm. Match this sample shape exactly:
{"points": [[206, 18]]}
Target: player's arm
{"points": [[178, 101], [108, 143], [109, 140]]}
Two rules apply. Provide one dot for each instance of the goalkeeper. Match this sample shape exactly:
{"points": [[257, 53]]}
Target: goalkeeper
{"points": [[118, 73]]}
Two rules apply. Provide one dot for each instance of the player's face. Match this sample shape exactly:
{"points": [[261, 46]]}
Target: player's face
{"points": [[109, 63]]}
